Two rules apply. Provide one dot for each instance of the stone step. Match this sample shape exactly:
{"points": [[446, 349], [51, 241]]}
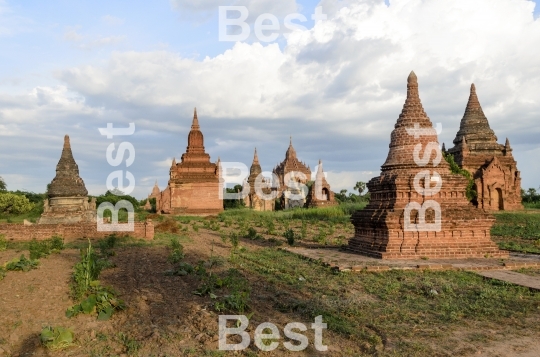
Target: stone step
{"points": [[513, 277]]}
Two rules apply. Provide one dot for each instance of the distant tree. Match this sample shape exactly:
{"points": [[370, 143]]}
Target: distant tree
{"points": [[360, 187], [11, 203], [237, 203], [530, 196], [3, 186]]}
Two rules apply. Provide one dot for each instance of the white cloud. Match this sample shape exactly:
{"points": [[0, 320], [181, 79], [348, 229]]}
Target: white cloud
{"points": [[112, 20], [339, 87], [88, 42]]}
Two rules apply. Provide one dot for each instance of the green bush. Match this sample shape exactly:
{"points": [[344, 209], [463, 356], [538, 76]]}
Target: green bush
{"points": [[40, 249], [11, 203], [289, 235]]}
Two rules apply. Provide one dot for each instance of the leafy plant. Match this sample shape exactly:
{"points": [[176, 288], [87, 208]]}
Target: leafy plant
{"points": [[56, 338], [181, 269], [102, 301], [455, 169], [22, 264], [3, 243], [303, 230], [289, 235], [107, 244], [40, 249], [177, 251], [85, 272]]}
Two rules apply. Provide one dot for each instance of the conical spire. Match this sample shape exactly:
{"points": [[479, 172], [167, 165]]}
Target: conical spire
{"points": [[413, 127], [507, 148], [255, 167], [195, 124], [195, 137], [443, 148], [173, 164], [67, 182], [475, 126], [290, 151], [255, 158]]}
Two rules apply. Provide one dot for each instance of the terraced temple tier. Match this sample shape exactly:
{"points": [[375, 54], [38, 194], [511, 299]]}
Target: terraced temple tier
{"points": [[392, 226]]}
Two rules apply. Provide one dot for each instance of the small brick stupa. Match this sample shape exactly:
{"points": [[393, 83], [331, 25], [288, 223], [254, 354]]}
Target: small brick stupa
{"points": [[253, 200], [494, 169], [67, 200], [393, 226], [194, 186], [320, 193]]}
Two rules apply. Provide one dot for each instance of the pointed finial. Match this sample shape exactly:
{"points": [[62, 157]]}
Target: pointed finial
{"points": [[255, 157], [290, 140], [155, 184], [173, 162], [66, 142], [412, 79], [443, 148], [507, 144], [473, 89], [195, 124]]}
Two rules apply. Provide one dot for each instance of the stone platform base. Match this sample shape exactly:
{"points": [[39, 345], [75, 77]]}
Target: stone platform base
{"points": [[346, 261], [432, 251]]}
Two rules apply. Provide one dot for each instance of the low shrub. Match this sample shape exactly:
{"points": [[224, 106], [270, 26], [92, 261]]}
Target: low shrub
{"points": [[56, 338], [21, 264]]}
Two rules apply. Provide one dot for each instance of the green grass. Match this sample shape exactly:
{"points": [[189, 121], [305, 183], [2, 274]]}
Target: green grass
{"points": [[358, 305], [517, 224], [337, 214]]}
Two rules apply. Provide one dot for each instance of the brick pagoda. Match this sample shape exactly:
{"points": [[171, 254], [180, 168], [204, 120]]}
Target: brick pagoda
{"points": [[291, 165], [67, 197], [389, 229], [320, 193], [252, 200], [194, 185], [494, 169]]}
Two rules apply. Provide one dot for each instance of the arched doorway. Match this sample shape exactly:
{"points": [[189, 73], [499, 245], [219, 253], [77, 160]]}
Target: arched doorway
{"points": [[325, 194], [499, 202]]}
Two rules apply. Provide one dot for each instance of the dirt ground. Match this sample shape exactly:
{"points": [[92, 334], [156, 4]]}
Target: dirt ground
{"points": [[163, 316]]}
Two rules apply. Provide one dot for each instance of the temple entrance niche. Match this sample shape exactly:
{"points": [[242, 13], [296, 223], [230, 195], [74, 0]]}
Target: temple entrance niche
{"points": [[325, 194], [499, 201]]}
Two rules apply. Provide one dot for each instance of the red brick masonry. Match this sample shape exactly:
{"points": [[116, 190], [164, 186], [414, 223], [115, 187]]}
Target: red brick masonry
{"points": [[70, 232]]}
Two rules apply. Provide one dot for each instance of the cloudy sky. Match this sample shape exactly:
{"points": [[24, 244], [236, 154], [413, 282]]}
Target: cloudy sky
{"points": [[336, 85]]}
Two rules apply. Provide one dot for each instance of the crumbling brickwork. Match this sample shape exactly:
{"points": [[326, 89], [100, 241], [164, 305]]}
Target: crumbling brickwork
{"points": [[494, 169]]}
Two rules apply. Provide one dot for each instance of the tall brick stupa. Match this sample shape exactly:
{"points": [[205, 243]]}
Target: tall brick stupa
{"points": [[194, 186], [392, 226]]}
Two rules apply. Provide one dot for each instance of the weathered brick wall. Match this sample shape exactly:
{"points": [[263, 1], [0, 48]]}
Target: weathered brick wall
{"points": [[70, 232]]}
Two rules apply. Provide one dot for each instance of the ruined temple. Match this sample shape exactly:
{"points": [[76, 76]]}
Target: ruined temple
{"points": [[418, 208], [492, 165], [67, 197], [194, 185], [320, 193], [289, 172], [260, 191]]}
